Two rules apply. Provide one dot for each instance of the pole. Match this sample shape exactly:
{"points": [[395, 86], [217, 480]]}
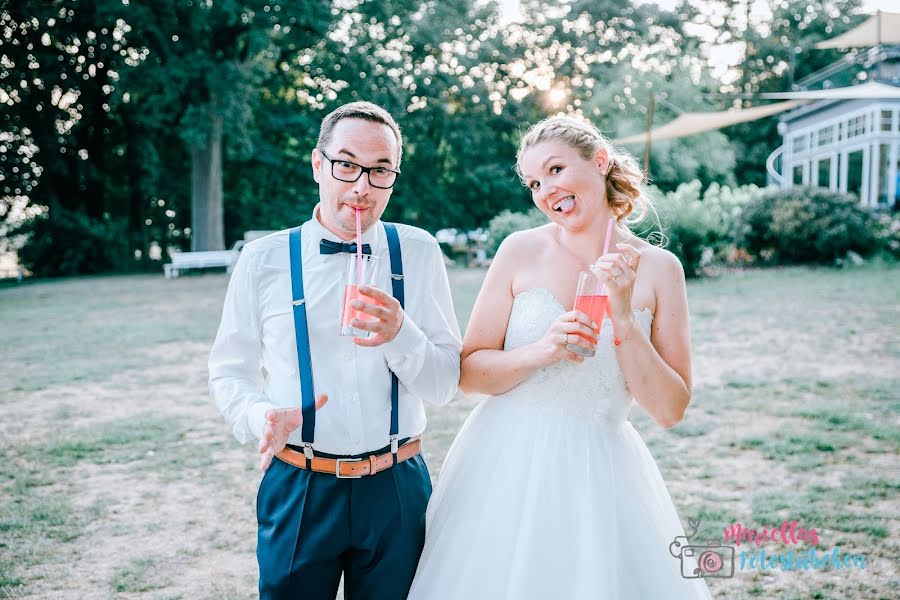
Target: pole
{"points": [[879, 27], [650, 108]]}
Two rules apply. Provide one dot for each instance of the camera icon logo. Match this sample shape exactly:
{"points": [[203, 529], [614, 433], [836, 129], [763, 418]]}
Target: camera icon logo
{"points": [[709, 559]]}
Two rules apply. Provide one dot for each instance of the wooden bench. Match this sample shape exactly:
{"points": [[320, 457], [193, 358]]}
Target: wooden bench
{"points": [[182, 261]]}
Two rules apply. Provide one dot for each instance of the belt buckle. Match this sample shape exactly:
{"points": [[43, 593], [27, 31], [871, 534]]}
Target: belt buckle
{"points": [[337, 467]]}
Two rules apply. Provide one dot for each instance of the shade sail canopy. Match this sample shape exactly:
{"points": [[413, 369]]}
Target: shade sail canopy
{"points": [[880, 28], [870, 91], [699, 122]]}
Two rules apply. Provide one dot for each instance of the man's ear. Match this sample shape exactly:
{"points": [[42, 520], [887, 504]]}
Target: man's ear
{"points": [[316, 161]]}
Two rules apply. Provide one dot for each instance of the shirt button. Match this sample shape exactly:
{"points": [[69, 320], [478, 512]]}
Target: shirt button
{"points": [[348, 356]]}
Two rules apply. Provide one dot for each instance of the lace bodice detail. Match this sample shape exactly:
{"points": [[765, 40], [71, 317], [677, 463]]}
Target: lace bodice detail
{"points": [[594, 388]]}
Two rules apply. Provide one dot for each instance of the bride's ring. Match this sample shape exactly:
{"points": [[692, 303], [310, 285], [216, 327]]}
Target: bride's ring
{"points": [[619, 274], [565, 340]]}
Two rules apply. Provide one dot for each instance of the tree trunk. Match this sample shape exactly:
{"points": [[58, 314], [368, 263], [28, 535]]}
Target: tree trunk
{"points": [[207, 223], [134, 136]]}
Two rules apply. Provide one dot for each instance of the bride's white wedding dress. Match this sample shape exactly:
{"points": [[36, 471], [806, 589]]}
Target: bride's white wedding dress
{"points": [[548, 492]]}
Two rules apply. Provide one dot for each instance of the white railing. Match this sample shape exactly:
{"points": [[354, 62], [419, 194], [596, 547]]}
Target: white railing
{"points": [[777, 177]]}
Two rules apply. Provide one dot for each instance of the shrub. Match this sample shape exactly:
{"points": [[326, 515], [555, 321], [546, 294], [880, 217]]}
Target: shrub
{"points": [[697, 228], [508, 222], [806, 225], [888, 232], [71, 244]]}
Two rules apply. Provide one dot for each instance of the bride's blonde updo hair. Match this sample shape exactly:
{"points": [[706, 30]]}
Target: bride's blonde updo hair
{"points": [[624, 178]]}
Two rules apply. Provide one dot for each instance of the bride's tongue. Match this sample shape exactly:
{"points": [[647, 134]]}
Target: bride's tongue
{"points": [[566, 206]]}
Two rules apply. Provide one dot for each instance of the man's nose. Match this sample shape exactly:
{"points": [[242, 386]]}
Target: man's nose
{"points": [[361, 186]]}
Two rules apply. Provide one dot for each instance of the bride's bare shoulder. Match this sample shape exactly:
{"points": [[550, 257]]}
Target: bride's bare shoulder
{"points": [[660, 269], [522, 245], [659, 259]]}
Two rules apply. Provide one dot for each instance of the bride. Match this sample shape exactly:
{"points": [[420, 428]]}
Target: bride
{"points": [[548, 491]]}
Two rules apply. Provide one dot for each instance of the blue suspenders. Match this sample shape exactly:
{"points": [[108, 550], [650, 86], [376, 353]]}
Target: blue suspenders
{"points": [[397, 291], [301, 332]]}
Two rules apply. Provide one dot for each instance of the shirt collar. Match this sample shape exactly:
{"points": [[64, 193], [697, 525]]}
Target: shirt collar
{"points": [[370, 236]]}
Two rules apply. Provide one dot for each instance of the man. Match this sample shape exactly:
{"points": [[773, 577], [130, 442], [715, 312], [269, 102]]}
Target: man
{"points": [[338, 418]]}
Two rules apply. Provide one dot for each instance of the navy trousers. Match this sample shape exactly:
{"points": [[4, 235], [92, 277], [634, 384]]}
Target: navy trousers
{"points": [[313, 527]]}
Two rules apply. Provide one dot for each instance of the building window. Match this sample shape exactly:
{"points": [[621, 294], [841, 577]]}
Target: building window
{"points": [[856, 126], [886, 118], [823, 170], [826, 136], [797, 175], [897, 177], [800, 143], [884, 157], [855, 172]]}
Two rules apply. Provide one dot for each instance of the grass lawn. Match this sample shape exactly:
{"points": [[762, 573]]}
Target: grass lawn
{"points": [[118, 476]]}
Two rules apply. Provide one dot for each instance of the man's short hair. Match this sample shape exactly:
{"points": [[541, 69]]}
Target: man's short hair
{"points": [[359, 110]]}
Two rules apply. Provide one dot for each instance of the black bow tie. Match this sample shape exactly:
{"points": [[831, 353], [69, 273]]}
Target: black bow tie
{"points": [[329, 247]]}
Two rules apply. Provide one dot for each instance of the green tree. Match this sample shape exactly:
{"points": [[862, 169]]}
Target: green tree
{"points": [[58, 70], [205, 69]]}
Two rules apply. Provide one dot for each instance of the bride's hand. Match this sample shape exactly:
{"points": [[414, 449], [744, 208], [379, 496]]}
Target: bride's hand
{"points": [[618, 270], [565, 332]]}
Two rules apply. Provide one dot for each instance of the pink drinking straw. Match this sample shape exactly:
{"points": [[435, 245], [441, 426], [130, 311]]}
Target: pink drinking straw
{"points": [[609, 227], [358, 250]]}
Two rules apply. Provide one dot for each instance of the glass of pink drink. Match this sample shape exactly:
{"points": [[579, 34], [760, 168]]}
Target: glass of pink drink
{"points": [[358, 273], [590, 298]]}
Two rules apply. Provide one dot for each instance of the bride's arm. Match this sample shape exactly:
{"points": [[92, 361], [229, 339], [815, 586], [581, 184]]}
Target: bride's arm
{"points": [[658, 370], [485, 367]]}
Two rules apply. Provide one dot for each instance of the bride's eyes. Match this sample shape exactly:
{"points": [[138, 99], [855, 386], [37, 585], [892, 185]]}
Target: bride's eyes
{"points": [[536, 185]]}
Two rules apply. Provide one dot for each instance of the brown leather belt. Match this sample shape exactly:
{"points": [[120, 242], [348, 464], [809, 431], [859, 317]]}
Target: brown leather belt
{"points": [[352, 468]]}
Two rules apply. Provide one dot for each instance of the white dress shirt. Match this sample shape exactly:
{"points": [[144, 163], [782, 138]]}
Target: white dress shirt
{"points": [[253, 364]]}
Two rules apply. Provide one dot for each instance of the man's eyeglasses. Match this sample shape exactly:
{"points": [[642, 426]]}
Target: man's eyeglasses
{"points": [[344, 170]]}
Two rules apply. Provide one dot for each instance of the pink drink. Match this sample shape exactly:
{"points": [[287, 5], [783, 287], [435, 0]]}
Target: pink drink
{"points": [[351, 293], [594, 306], [367, 268]]}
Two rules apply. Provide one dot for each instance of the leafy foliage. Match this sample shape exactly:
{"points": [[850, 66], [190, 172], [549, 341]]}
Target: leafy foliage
{"points": [[508, 222], [108, 106], [806, 225], [71, 244]]}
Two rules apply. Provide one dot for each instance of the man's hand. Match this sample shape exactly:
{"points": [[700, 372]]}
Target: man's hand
{"points": [[280, 422], [388, 313]]}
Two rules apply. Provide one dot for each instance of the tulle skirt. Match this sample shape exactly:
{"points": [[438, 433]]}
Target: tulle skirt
{"points": [[538, 504]]}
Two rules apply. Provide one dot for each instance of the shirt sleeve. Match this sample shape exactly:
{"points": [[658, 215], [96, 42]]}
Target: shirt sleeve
{"points": [[235, 374], [425, 353]]}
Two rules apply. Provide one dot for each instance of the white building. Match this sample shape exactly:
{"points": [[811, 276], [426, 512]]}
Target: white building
{"points": [[848, 139], [843, 138], [850, 145]]}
